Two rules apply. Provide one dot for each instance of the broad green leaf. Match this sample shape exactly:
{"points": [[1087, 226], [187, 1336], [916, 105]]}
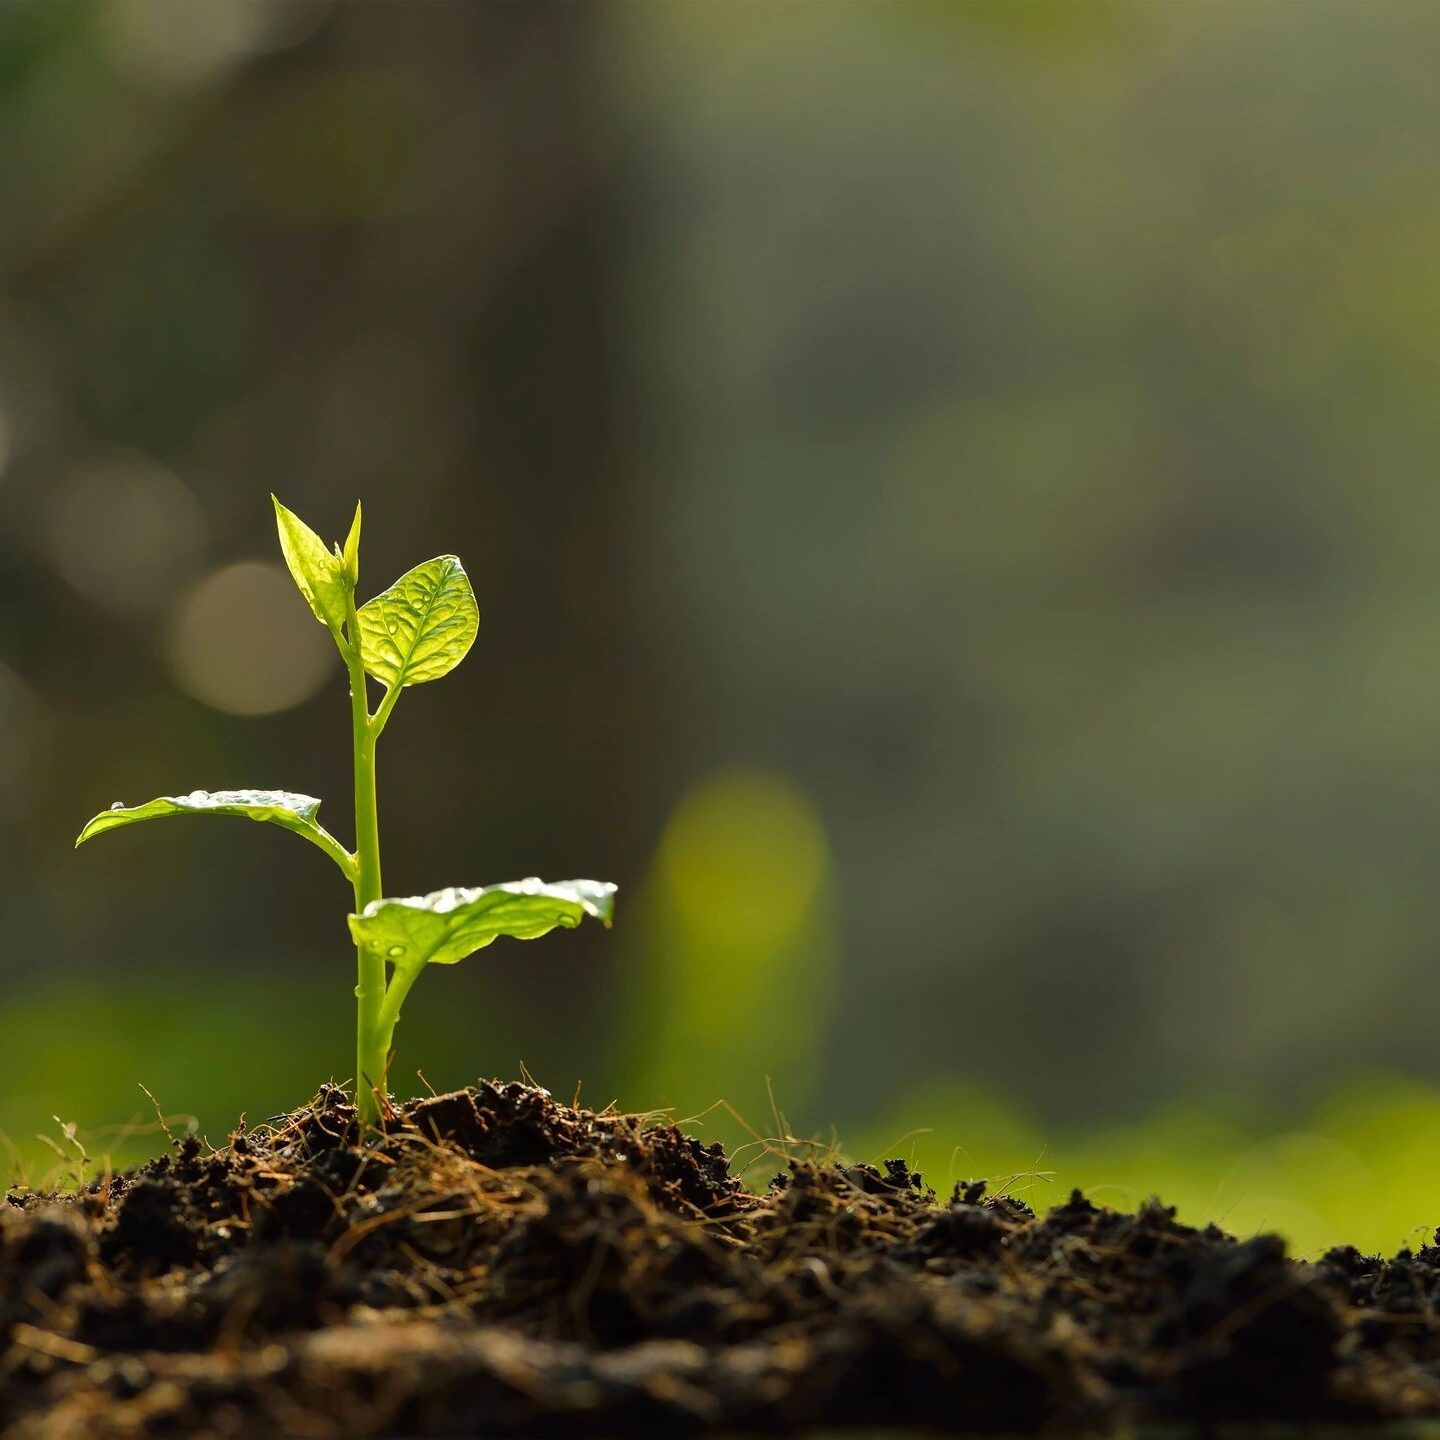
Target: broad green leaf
{"points": [[445, 927], [420, 628], [277, 807], [350, 555], [319, 575]]}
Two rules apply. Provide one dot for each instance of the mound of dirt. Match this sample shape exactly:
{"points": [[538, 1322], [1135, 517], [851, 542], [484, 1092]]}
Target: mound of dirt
{"points": [[499, 1264]]}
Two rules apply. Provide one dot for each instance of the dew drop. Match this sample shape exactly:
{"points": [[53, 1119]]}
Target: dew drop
{"points": [[358, 992], [395, 951], [117, 805]]}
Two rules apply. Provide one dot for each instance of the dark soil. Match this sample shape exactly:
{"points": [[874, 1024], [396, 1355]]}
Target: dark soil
{"points": [[499, 1264]]}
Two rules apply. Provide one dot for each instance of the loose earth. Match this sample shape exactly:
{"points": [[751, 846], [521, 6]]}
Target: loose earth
{"points": [[500, 1264]]}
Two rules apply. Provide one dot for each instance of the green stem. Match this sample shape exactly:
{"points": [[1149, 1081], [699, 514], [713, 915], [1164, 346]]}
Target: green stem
{"points": [[372, 1046], [400, 983], [320, 837], [383, 709]]}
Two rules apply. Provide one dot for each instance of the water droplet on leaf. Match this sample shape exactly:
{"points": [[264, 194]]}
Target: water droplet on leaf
{"points": [[117, 805], [395, 951]]}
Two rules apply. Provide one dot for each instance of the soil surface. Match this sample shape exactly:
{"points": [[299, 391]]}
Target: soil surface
{"points": [[500, 1264]]}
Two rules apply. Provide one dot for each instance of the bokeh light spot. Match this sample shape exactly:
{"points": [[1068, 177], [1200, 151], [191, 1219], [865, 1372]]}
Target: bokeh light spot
{"points": [[743, 858], [241, 642], [169, 45], [124, 532]]}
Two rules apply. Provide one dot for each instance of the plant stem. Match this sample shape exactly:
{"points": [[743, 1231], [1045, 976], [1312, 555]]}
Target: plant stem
{"points": [[372, 1041], [399, 988]]}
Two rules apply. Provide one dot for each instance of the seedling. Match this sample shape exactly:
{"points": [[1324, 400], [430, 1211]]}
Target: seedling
{"points": [[417, 630]]}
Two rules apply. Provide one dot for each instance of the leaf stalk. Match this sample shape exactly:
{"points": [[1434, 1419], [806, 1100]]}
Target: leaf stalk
{"points": [[383, 709]]}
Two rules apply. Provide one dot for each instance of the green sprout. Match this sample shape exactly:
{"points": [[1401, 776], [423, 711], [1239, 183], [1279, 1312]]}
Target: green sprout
{"points": [[417, 630]]}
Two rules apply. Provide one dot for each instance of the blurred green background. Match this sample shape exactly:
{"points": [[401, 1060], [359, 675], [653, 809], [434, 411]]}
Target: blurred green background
{"points": [[952, 495]]}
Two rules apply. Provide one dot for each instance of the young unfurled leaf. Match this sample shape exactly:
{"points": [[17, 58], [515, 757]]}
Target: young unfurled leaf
{"points": [[319, 575], [350, 555], [278, 807], [445, 927], [420, 628]]}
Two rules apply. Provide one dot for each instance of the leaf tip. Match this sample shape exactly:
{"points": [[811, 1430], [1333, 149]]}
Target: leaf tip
{"points": [[350, 554]]}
